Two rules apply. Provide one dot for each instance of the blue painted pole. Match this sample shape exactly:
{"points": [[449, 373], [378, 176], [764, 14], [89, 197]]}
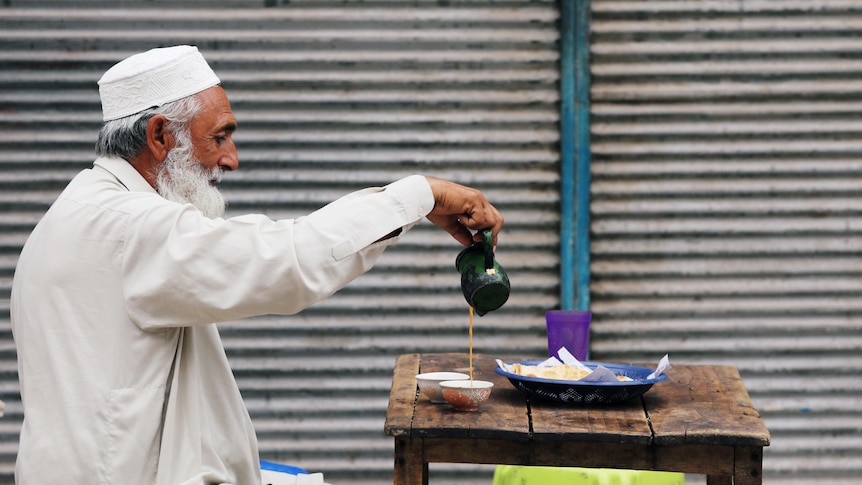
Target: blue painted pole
{"points": [[567, 155], [582, 149]]}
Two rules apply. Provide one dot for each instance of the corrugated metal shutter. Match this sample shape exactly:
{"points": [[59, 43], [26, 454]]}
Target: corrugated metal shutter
{"points": [[331, 97], [727, 168]]}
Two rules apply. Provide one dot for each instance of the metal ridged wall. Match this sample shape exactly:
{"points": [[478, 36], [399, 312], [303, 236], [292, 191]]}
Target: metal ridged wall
{"points": [[330, 97], [727, 171]]}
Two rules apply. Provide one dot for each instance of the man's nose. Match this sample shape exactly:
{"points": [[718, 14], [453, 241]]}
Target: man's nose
{"points": [[230, 161]]}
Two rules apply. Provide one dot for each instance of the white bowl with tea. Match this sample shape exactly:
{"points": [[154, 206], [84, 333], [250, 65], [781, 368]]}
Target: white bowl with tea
{"points": [[466, 395]]}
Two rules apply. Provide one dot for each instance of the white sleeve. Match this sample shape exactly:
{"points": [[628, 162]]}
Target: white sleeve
{"points": [[180, 268]]}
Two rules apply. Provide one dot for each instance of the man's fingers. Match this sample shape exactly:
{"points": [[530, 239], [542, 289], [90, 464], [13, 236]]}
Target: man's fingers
{"points": [[458, 209], [453, 226]]}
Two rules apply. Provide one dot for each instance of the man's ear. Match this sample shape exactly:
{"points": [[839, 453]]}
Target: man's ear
{"points": [[160, 140]]}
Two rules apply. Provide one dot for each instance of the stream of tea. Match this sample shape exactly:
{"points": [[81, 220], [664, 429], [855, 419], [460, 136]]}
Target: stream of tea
{"points": [[471, 346]]}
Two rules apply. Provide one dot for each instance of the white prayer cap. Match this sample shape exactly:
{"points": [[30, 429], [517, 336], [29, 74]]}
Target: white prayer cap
{"points": [[154, 78]]}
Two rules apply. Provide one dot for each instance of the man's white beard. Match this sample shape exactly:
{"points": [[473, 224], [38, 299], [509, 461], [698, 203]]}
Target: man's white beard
{"points": [[182, 178]]}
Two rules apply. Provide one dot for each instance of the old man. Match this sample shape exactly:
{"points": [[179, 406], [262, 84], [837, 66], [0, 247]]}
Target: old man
{"points": [[124, 378]]}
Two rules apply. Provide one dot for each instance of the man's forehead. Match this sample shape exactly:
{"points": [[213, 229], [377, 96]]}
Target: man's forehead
{"points": [[216, 112]]}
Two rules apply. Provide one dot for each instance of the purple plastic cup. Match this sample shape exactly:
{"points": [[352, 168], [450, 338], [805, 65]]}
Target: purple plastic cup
{"points": [[569, 329]]}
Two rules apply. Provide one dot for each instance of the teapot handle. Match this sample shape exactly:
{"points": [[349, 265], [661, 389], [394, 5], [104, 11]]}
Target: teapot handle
{"points": [[488, 241]]}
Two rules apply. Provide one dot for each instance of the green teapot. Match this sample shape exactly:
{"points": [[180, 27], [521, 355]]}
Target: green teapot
{"points": [[484, 282]]}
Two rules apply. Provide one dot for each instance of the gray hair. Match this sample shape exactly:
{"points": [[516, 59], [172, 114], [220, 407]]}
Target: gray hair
{"points": [[126, 137]]}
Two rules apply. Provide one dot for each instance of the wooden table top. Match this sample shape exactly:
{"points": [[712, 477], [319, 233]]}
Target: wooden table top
{"points": [[697, 405]]}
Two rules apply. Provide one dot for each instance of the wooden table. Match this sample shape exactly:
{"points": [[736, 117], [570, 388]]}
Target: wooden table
{"points": [[700, 420]]}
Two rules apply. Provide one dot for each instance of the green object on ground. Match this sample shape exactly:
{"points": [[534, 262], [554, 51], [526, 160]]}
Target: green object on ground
{"points": [[542, 475]]}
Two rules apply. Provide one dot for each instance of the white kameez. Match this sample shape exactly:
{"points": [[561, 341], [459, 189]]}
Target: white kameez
{"points": [[123, 375]]}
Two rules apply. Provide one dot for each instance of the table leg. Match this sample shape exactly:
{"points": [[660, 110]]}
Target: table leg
{"points": [[410, 465], [748, 466]]}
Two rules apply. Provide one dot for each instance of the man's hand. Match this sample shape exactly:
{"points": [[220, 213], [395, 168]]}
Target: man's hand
{"points": [[457, 209]]}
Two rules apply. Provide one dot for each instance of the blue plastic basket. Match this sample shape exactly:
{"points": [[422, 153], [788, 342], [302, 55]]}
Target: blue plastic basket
{"points": [[580, 392]]}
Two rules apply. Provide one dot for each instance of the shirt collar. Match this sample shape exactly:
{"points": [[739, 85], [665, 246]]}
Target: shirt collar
{"points": [[125, 173]]}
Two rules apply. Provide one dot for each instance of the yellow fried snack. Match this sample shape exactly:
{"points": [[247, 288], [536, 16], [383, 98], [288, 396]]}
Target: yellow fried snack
{"points": [[560, 372]]}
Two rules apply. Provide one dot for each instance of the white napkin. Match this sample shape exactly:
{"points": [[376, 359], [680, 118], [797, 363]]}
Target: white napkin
{"points": [[663, 365], [571, 360]]}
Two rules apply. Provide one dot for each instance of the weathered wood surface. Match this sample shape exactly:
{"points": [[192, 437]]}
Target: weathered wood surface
{"points": [[704, 404], [503, 416], [402, 396], [698, 421], [619, 423]]}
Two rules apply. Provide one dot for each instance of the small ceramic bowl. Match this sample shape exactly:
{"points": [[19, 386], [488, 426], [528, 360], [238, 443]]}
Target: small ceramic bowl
{"points": [[466, 395], [429, 383]]}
